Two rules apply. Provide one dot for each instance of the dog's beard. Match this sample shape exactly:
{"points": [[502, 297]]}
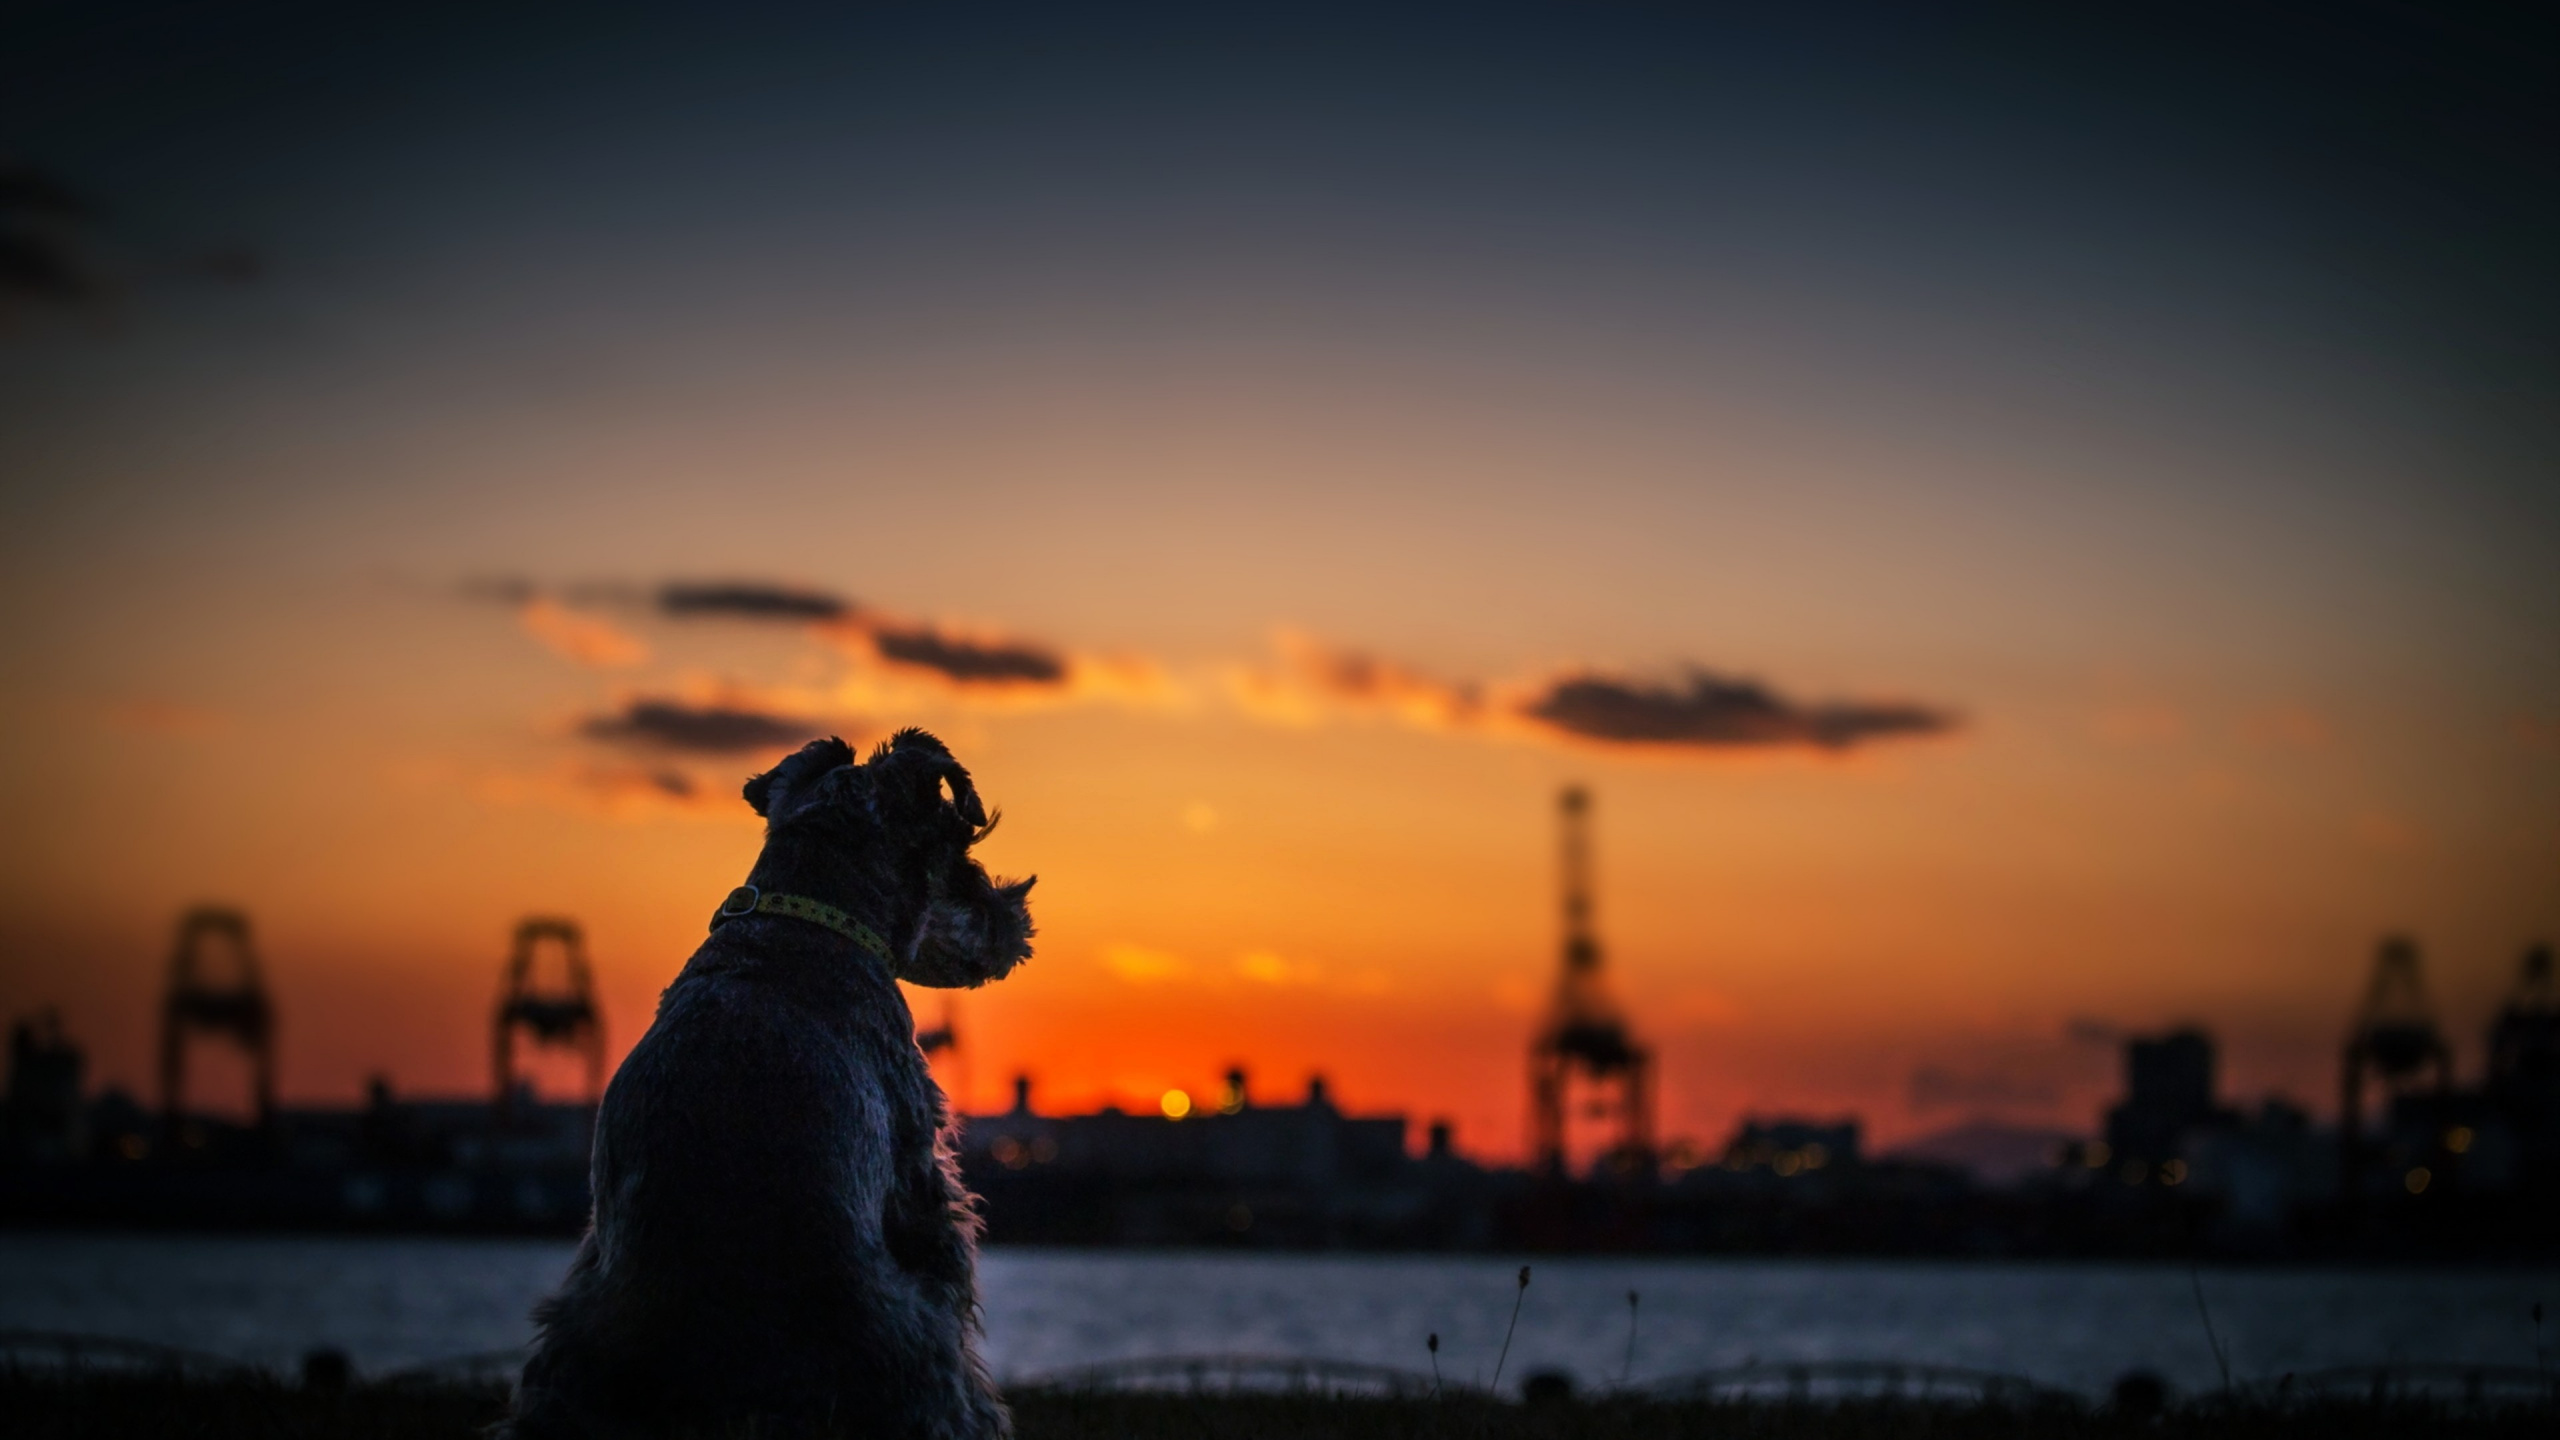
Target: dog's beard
{"points": [[962, 944]]}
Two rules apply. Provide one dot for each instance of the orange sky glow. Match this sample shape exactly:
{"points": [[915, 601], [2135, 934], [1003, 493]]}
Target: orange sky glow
{"points": [[2005, 587]]}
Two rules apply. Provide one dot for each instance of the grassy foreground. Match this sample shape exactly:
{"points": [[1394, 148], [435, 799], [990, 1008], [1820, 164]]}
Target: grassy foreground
{"points": [[51, 1407]]}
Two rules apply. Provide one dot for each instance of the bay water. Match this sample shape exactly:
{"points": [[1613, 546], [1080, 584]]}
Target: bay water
{"points": [[392, 1303]]}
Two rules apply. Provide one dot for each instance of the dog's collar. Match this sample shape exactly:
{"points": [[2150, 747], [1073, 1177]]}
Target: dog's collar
{"points": [[751, 900]]}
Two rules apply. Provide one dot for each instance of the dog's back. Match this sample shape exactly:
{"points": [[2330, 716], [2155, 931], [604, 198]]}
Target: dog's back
{"points": [[780, 1237], [775, 1231]]}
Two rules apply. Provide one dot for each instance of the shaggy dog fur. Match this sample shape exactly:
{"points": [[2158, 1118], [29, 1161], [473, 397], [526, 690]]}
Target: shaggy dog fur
{"points": [[781, 1243]]}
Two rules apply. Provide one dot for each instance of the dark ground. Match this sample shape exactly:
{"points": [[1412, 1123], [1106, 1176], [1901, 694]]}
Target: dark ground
{"points": [[50, 1407]]}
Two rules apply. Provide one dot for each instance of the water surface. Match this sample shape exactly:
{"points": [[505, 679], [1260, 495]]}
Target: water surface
{"points": [[396, 1302]]}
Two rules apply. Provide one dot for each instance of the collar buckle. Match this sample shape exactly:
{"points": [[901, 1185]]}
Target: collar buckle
{"points": [[750, 900]]}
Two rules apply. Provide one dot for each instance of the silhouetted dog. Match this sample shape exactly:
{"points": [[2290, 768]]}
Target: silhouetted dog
{"points": [[781, 1241]]}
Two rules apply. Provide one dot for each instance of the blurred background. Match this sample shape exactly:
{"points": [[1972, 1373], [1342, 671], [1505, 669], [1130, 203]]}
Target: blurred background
{"points": [[2032, 532]]}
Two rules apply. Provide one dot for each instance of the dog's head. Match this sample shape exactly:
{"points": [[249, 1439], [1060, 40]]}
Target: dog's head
{"points": [[908, 816]]}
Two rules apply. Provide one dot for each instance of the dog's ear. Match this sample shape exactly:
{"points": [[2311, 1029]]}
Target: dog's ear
{"points": [[974, 930], [910, 771], [785, 787], [971, 930]]}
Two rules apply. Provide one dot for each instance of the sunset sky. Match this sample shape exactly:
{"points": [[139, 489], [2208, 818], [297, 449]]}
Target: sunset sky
{"points": [[2030, 529]]}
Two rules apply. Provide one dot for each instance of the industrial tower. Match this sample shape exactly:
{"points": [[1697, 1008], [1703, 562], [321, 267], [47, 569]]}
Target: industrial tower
{"points": [[2524, 1068], [1585, 1034], [2524, 1042], [236, 1009], [566, 1018], [2394, 1041]]}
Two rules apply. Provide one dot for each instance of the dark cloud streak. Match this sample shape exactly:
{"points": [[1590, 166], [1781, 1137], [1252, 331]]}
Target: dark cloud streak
{"points": [[40, 252], [969, 662], [957, 659], [1712, 712], [749, 600], [699, 729], [51, 250]]}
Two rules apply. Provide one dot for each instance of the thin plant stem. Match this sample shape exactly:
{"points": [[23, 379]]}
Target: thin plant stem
{"points": [[1629, 1366], [2220, 1360], [1516, 1299], [1434, 1343]]}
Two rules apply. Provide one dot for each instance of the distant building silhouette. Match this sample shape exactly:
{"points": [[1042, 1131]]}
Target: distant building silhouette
{"points": [[2439, 1169], [2169, 1094], [2524, 1072], [47, 1118], [2500, 1141], [1786, 1148], [1251, 1173]]}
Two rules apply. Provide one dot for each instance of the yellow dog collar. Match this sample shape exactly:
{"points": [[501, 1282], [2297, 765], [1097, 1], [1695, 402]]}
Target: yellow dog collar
{"points": [[751, 900]]}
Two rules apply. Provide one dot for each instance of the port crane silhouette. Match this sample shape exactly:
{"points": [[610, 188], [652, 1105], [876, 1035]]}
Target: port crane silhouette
{"points": [[236, 1008], [563, 1017], [1584, 1035]]}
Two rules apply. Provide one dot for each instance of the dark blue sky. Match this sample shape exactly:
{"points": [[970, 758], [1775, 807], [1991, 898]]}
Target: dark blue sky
{"points": [[2356, 193]]}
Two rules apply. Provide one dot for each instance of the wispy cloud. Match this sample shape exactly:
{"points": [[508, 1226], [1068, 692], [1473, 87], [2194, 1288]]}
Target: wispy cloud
{"points": [[41, 242], [587, 639], [962, 659], [749, 600], [634, 790], [1310, 682], [54, 250], [701, 729], [1710, 711], [897, 664], [616, 792], [959, 658]]}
